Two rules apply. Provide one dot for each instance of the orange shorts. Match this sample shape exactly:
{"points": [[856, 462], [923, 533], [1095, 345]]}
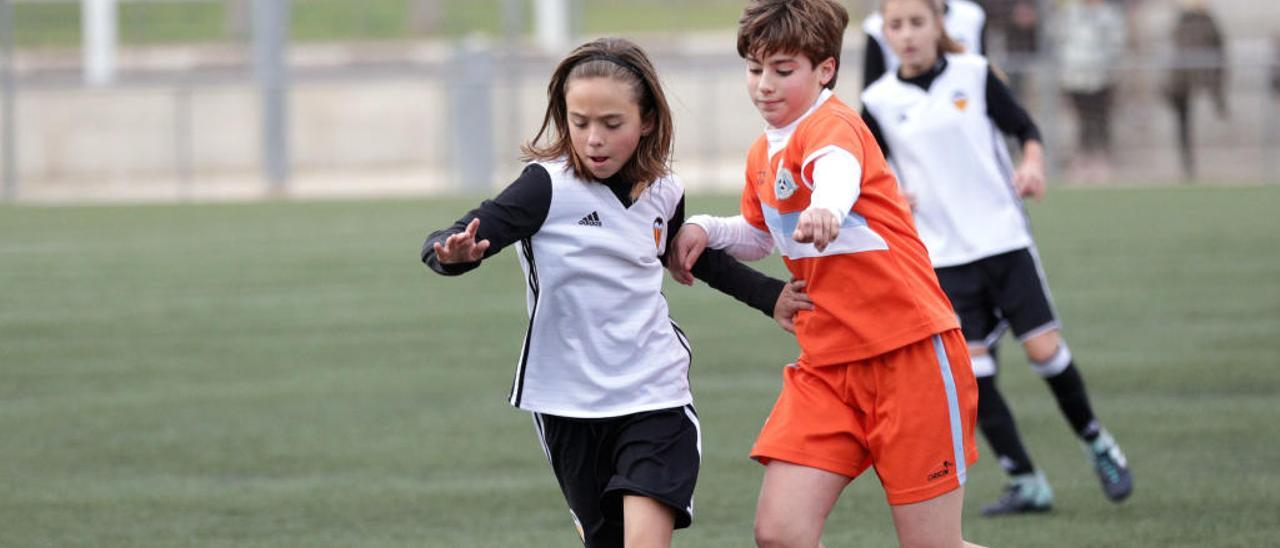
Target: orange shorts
{"points": [[909, 412]]}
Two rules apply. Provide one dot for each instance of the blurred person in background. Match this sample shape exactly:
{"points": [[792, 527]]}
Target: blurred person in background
{"points": [[1090, 36], [1200, 61], [936, 119], [966, 23], [1014, 25], [1275, 64]]}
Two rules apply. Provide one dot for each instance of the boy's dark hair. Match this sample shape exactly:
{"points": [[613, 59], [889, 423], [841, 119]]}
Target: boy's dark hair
{"points": [[813, 28], [621, 60]]}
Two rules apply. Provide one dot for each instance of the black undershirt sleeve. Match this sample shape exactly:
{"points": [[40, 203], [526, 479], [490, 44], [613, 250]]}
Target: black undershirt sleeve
{"points": [[874, 126], [513, 215], [725, 274], [1005, 111], [873, 62], [982, 40]]}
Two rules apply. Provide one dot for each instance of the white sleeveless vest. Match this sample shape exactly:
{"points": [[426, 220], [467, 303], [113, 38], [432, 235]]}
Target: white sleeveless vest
{"points": [[949, 154]]}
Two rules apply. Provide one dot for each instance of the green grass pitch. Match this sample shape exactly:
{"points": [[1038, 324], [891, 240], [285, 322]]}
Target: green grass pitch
{"points": [[288, 374]]}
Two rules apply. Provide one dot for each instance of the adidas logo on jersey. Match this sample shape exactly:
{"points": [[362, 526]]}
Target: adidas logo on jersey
{"points": [[593, 219]]}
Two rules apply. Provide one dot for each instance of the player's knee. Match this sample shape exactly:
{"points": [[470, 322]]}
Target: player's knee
{"points": [[775, 531], [1051, 363], [1041, 348]]}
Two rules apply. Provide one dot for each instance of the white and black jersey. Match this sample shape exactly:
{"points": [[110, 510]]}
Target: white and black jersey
{"points": [[600, 342], [942, 130], [965, 21]]}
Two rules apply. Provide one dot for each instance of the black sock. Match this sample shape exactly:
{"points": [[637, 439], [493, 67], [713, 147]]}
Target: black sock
{"points": [[1073, 400], [996, 422]]}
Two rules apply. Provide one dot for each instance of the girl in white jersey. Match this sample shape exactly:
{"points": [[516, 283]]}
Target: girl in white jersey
{"points": [[603, 368], [939, 120], [965, 22]]}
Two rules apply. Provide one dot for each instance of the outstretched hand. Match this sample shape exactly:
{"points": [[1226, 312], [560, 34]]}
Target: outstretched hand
{"points": [[791, 301], [817, 226], [462, 247], [688, 245]]}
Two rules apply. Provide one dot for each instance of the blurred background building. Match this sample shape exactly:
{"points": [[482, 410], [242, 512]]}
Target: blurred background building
{"points": [[233, 99]]}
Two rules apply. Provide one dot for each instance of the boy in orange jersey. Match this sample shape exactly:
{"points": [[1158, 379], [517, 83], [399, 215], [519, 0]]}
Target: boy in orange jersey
{"points": [[883, 377]]}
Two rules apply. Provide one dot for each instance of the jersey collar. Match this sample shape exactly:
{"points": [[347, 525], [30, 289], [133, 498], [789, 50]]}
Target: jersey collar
{"points": [[923, 81], [778, 137]]}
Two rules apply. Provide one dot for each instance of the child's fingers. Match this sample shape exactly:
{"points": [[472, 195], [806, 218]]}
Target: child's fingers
{"points": [[677, 272], [690, 253], [472, 227], [802, 234], [477, 251], [459, 239], [824, 233]]}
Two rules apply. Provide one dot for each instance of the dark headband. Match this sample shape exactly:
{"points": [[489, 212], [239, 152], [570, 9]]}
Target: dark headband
{"points": [[615, 60]]}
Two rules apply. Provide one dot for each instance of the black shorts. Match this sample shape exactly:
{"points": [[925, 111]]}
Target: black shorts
{"points": [[999, 292], [655, 454]]}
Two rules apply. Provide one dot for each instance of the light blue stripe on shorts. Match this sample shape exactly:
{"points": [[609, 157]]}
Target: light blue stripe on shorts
{"points": [[953, 408]]}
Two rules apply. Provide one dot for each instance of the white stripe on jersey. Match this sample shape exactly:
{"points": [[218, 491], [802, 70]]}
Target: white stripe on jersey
{"points": [[855, 235]]}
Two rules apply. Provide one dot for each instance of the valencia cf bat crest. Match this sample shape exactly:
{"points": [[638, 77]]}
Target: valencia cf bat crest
{"points": [[784, 185], [960, 100], [657, 232]]}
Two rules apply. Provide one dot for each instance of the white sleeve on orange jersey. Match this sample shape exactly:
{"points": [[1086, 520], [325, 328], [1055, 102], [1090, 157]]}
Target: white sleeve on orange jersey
{"points": [[837, 182], [735, 236]]}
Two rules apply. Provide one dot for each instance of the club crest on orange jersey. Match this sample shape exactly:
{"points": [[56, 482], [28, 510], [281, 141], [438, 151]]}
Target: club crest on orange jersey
{"points": [[784, 185], [657, 232], [960, 100]]}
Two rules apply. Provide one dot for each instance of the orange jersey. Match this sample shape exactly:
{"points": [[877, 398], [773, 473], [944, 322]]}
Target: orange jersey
{"points": [[873, 288]]}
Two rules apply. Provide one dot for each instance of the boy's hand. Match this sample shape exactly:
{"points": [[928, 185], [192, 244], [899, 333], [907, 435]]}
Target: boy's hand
{"points": [[462, 247], [792, 300], [818, 227], [687, 246]]}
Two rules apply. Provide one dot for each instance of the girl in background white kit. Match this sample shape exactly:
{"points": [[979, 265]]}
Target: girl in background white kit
{"points": [[939, 120]]}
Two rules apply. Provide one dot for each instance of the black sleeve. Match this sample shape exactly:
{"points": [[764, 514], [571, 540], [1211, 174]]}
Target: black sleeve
{"points": [[982, 39], [726, 274], [872, 62], [874, 126], [513, 215], [1005, 111]]}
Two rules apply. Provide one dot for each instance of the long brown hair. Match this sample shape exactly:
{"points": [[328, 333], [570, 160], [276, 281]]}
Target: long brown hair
{"points": [[623, 61]]}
